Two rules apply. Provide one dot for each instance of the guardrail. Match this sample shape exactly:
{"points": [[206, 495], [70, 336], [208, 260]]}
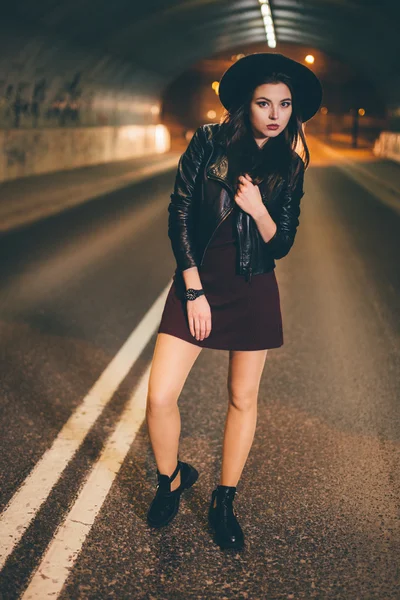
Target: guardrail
{"points": [[388, 145]]}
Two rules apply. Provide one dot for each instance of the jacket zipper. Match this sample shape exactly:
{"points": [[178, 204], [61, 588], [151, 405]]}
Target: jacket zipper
{"points": [[213, 233], [248, 275]]}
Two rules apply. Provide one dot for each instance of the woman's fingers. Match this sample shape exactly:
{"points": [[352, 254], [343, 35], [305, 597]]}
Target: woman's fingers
{"points": [[199, 321], [245, 178], [197, 328], [200, 327]]}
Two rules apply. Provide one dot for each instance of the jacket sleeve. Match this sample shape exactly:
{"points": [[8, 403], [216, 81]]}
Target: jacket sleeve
{"points": [[287, 220], [180, 209]]}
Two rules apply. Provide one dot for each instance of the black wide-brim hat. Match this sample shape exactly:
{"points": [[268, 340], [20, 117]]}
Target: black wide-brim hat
{"points": [[236, 80]]}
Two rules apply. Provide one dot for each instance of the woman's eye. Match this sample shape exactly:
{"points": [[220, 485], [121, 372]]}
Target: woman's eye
{"points": [[285, 102]]}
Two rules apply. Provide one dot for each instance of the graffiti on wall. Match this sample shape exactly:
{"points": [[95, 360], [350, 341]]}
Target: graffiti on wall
{"points": [[36, 104], [69, 102]]}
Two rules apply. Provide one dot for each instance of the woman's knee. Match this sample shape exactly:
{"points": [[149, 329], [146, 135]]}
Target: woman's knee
{"points": [[243, 399], [245, 370], [160, 402]]}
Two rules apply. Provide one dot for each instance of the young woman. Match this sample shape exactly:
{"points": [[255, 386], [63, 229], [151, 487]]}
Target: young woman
{"points": [[233, 212]]}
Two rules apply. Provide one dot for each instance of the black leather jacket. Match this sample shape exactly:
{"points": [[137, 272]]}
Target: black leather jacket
{"points": [[203, 197]]}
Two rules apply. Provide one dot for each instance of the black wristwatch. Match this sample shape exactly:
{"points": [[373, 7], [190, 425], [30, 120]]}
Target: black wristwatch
{"points": [[192, 294]]}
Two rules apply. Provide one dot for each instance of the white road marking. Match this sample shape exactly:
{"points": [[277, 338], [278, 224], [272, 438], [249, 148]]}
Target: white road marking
{"points": [[26, 502], [62, 552]]}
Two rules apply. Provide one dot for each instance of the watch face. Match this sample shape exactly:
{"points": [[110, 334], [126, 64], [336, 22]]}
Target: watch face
{"points": [[191, 294]]}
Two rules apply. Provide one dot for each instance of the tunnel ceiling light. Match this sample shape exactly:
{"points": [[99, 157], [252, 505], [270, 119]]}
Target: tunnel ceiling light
{"points": [[268, 22], [265, 10]]}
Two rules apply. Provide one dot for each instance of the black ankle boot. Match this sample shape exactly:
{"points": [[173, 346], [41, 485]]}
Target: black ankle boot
{"points": [[165, 503], [222, 518]]}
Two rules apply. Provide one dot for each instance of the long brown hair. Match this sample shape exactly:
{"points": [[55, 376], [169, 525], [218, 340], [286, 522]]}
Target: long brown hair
{"points": [[272, 162]]}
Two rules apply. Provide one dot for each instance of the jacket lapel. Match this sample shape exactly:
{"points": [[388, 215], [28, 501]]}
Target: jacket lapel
{"points": [[218, 168]]}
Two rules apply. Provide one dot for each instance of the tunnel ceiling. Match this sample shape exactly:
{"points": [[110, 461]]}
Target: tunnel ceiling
{"points": [[167, 36]]}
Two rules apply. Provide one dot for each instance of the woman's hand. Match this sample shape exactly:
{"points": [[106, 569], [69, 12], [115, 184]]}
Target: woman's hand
{"points": [[199, 317], [248, 197]]}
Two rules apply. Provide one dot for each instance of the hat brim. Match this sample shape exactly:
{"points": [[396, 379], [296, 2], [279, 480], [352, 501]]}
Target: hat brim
{"points": [[238, 78]]}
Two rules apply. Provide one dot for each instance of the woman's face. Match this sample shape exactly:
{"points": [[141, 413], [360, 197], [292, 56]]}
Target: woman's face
{"points": [[271, 104]]}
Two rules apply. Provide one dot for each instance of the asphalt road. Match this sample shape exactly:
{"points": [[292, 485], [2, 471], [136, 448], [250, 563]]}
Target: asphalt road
{"points": [[319, 496]]}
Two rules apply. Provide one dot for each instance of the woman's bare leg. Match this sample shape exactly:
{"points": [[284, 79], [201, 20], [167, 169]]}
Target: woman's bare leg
{"points": [[172, 360], [245, 370]]}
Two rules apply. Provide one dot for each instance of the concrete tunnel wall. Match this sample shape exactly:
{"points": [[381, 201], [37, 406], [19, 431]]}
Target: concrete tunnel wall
{"points": [[64, 107]]}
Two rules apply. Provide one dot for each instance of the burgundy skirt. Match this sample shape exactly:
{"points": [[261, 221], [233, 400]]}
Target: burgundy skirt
{"points": [[245, 315]]}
